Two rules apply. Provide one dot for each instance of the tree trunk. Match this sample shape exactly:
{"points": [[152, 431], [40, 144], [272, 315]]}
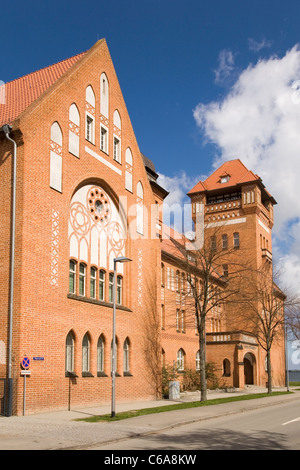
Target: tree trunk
{"points": [[202, 346], [269, 370]]}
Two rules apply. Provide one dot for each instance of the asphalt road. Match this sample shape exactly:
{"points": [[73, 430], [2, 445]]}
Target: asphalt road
{"points": [[272, 428]]}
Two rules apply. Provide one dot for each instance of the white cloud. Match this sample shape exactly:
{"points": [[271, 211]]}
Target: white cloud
{"points": [[174, 204], [256, 46], [259, 122], [225, 67]]}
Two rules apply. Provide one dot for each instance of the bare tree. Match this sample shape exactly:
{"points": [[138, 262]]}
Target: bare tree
{"points": [[213, 273], [264, 310], [151, 338]]}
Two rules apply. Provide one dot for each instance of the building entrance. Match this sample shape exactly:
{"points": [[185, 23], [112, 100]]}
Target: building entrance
{"points": [[249, 366]]}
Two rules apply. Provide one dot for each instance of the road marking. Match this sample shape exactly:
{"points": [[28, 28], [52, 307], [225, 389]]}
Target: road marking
{"points": [[292, 421]]}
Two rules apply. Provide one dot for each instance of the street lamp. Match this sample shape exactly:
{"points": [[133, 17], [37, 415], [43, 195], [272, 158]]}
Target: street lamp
{"points": [[121, 259]]}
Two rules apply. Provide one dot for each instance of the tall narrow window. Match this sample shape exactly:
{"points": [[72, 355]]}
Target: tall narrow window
{"points": [[85, 353], [93, 282], [111, 287], [89, 128], [101, 284], [100, 355], [72, 277], [126, 356], [224, 241], [117, 150], [119, 290], [180, 359], [70, 352], [103, 139], [82, 274], [236, 240]]}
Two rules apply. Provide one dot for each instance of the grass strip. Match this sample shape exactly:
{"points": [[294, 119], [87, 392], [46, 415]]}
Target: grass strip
{"points": [[177, 406]]}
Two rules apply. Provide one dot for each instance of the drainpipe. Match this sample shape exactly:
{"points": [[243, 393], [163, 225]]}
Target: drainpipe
{"points": [[7, 129]]}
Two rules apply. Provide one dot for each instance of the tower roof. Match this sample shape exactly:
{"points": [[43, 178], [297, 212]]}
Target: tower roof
{"points": [[229, 175]]}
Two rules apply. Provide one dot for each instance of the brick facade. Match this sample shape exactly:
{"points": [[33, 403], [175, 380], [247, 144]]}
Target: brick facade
{"points": [[79, 201]]}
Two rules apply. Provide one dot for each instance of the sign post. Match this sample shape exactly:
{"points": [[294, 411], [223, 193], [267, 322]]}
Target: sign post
{"points": [[25, 371]]}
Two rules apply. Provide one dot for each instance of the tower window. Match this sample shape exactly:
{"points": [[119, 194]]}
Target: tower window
{"points": [[236, 240], [224, 179]]}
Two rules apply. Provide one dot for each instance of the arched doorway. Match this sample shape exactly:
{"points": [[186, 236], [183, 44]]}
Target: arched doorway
{"points": [[249, 368]]}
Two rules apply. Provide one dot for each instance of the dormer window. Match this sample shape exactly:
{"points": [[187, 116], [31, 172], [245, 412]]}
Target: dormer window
{"points": [[224, 179]]}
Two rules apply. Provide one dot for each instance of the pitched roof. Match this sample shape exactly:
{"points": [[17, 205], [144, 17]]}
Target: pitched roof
{"points": [[234, 169], [20, 93]]}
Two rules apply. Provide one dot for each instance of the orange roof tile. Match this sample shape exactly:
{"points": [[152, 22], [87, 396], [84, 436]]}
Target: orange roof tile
{"points": [[235, 169], [20, 93]]}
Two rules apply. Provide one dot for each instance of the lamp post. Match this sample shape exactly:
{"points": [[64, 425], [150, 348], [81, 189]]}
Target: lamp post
{"points": [[121, 259]]}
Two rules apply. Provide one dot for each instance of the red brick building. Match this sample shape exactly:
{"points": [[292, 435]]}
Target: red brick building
{"points": [[84, 196]]}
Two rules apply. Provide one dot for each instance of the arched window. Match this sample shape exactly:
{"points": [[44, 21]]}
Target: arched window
{"points": [[140, 208], [226, 368], [90, 115], [56, 157], [126, 364], [86, 353], [74, 127], [100, 355], [180, 359], [72, 277], [69, 359], [104, 95]]}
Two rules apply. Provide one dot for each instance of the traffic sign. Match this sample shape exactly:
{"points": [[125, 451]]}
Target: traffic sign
{"points": [[25, 362]]}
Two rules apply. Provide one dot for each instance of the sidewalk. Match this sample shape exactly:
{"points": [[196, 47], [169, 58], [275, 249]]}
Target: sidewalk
{"points": [[59, 430]]}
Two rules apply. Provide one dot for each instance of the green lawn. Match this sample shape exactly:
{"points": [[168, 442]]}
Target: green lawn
{"points": [[177, 406]]}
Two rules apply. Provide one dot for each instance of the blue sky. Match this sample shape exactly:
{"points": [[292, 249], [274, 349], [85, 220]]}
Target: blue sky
{"points": [[165, 53], [204, 81]]}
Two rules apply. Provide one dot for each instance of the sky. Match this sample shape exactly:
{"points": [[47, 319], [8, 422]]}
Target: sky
{"points": [[204, 82]]}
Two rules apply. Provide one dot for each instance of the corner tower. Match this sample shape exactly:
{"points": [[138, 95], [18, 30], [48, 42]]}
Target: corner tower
{"points": [[235, 199]]}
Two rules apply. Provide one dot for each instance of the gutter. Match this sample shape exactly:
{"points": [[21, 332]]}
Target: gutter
{"points": [[7, 130]]}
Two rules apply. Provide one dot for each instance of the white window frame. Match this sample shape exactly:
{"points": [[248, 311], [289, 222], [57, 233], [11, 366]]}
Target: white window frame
{"points": [[117, 149], [104, 148], [91, 119]]}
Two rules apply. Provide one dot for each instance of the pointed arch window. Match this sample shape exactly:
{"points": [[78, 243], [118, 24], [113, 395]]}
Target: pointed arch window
{"points": [[100, 356], [56, 157], [69, 353], [104, 95], [180, 360], [74, 128], [90, 115], [126, 362], [86, 354]]}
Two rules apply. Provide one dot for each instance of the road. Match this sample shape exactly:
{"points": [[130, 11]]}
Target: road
{"points": [[273, 428]]}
